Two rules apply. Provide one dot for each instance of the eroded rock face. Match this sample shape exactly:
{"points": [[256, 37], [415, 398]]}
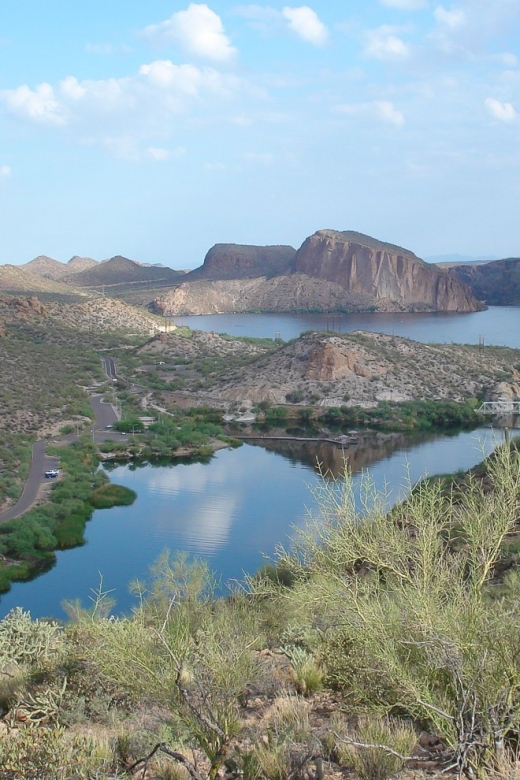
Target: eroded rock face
{"points": [[496, 283], [239, 261], [363, 265], [332, 360], [331, 271]]}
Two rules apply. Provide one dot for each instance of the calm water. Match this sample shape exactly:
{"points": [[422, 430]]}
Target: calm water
{"points": [[228, 511], [499, 325]]}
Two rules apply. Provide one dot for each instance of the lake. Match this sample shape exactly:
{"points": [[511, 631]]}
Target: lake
{"points": [[237, 507], [498, 325], [229, 511]]}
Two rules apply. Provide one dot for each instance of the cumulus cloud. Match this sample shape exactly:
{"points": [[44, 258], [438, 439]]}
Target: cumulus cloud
{"points": [[198, 30], [306, 23], [39, 104], [381, 110], [454, 18], [504, 112], [5, 170], [124, 115], [405, 5], [383, 44]]}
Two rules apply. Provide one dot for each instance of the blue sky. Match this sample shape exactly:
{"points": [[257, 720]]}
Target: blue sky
{"points": [[155, 130]]}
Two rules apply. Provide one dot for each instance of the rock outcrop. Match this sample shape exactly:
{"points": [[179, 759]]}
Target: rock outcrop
{"points": [[239, 261], [387, 273], [331, 271], [496, 283]]}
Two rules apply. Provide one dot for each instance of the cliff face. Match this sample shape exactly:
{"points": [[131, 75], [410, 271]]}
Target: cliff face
{"points": [[331, 271], [496, 283], [238, 261], [385, 272]]}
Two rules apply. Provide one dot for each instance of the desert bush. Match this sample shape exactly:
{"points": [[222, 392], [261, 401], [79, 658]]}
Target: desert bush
{"points": [[405, 611], [184, 650], [377, 748]]}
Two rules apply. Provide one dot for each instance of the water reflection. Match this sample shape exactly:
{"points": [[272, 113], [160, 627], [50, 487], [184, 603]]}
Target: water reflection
{"points": [[230, 510]]}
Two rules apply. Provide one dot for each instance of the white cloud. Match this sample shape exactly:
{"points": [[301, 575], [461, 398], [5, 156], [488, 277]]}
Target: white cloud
{"points": [[405, 5], [453, 18], [381, 110], [383, 44], [5, 170], [504, 112], [40, 104], [198, 30], [305, 23], [129, 114], [71, 88], [159, 154]]}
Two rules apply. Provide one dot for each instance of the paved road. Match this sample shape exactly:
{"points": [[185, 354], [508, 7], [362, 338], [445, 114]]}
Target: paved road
{"points": [[40, 463], [104, 414]]}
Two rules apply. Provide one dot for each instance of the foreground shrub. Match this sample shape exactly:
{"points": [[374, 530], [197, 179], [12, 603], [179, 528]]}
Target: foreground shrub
{"points": [[403, 603]]}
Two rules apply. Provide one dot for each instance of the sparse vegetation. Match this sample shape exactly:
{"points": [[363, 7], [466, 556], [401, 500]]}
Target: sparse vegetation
{"points": [[391, 627]]}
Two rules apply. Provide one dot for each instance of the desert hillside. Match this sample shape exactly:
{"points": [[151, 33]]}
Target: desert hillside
{"points": [[53, 269], [17, 279], [325, 369], [100, 315]]}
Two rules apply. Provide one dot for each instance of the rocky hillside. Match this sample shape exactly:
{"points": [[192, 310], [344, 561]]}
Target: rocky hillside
{"points": [[496, 283], [94, 315], [121, 271], [365, 368], [53, 269], [332, 270], [297, 292], [238, 261], [17, 279], [335, 369]]}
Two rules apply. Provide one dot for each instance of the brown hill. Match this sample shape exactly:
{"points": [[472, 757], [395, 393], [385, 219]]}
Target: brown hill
{"points": [[332, 270], [121, 271], [49, 268], [45, 266], [77, 264], [324, 369], [91, 315], [496, 283], [17, 279], [239, 261]]}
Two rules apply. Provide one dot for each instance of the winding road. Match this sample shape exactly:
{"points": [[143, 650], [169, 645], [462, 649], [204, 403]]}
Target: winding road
{"points": [[104, 414]]}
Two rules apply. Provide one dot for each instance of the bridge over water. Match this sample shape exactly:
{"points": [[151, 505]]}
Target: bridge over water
{"points": [[500, 407]]}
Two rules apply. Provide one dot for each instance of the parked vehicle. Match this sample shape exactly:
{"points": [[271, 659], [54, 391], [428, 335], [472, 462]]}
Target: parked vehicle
{"points": [[52, 473]]}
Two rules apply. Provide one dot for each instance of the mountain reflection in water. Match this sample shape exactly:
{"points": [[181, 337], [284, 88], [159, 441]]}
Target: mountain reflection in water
{"points": [[230, 510]]}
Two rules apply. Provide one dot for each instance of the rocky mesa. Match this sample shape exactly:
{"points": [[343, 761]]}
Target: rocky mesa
{"points": [[331, 271]]}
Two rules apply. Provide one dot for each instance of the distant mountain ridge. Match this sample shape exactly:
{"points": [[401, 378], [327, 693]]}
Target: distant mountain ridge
{"points": [[120, 270], [49, 268], [453, 259], [496, 283]]}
